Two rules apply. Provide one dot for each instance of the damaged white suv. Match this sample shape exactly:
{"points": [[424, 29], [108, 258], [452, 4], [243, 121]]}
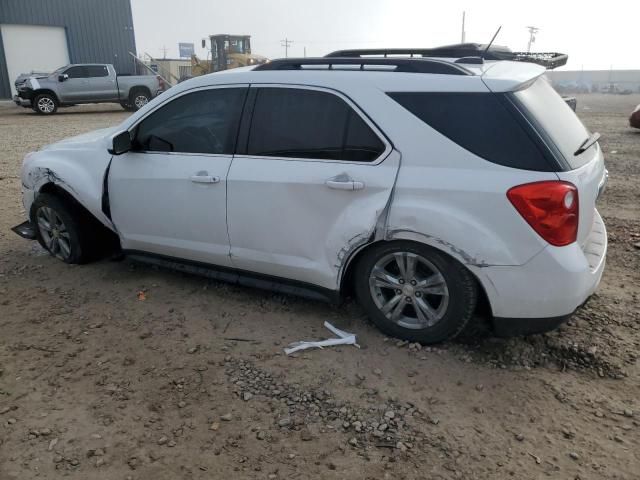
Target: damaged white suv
{"points": [[427, 186]]}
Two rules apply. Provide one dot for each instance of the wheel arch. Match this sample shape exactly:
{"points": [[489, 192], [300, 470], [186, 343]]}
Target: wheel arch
{"points": [[139, 88], [346, 281], [40, 91]]}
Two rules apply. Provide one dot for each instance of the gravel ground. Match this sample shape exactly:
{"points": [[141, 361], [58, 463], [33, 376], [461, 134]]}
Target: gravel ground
{"points": [[191, 382]]}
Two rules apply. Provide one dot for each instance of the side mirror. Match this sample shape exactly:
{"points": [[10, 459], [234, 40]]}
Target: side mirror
{"points": [[63, 77], [120, 143]]}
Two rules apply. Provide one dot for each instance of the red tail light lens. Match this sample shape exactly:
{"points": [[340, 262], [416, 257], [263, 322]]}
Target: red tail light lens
{"points": [[551, 208]]}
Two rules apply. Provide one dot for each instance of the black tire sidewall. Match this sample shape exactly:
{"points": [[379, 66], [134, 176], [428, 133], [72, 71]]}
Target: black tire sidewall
{"points": [[45, 95], [70, 220], [460, 283]]}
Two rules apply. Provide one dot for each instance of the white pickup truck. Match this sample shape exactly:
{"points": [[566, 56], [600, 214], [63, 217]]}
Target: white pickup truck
{"points": [[85, 83]]}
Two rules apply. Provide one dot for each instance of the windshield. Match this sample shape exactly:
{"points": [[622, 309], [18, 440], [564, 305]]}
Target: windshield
{"points": [[557, 119]]}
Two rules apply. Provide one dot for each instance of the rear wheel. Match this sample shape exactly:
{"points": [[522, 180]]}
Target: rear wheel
{"points": [[45, 104], [415, 292], [138, 99]]}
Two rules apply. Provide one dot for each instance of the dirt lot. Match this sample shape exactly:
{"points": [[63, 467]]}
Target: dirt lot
{"points": [[192, 382]]}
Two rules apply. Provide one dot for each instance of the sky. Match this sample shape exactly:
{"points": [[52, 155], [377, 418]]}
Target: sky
{"points": [[596, 35]]}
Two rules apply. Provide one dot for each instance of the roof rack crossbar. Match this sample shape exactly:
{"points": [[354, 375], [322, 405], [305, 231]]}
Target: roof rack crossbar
{"points": [[401, 64]]}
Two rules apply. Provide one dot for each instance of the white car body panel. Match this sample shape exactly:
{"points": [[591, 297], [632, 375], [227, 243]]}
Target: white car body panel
{"points": [[189, 222]]}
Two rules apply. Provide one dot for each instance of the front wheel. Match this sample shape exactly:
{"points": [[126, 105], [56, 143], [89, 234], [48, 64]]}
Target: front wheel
{"points": [[45, 104], [61, 229], [415, 292]]}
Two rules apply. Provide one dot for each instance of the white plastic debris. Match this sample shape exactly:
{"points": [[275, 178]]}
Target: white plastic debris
{"points": [[345, 338]]}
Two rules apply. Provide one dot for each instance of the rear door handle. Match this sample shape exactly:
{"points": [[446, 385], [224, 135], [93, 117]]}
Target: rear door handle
{"points": [[204, 179], [344, 185]]}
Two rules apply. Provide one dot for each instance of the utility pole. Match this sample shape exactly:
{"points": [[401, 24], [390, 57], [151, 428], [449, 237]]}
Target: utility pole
{"points": [[286, 43], [305, 52], [164, 51], [532, 36], [464, 34]]}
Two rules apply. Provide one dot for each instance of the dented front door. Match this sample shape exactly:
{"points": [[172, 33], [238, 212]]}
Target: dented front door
{"points": [[300, 218]]}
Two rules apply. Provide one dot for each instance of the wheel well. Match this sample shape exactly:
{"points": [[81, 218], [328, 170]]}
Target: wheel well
{"points": [[142, 89], [483, 307], [54, 189], [44, 90]]}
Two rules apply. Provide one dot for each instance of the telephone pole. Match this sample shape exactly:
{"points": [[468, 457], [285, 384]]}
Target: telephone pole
{"points": [[532, 36], [464, 34], [286, 43]]}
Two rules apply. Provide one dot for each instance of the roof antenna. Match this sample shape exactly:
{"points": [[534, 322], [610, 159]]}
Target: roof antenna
{"points": [[491, 42]]}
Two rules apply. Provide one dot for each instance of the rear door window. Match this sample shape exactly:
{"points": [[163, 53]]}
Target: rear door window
{"points": [[482, 123], [97, 71], [557, 119], [301, 123], [203, 122]]}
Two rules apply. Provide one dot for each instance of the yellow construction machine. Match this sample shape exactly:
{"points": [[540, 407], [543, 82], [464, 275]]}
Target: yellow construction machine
{"points": [[226, 52]]}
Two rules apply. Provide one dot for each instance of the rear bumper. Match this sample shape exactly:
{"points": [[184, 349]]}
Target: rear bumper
{"points": [[545, 291], [511, 327]]}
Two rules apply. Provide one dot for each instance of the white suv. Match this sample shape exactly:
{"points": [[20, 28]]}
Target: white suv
{"points": [[427, 186]]}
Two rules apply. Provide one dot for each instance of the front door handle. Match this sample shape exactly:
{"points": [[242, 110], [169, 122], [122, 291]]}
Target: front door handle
{"points": [[204, 179], [344, 185]]}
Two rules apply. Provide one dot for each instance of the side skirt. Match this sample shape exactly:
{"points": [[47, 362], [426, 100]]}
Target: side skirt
{"points": [[239, 277]]}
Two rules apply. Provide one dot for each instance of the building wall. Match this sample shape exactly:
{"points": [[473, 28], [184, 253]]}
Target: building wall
{"points": [[98, 31]]}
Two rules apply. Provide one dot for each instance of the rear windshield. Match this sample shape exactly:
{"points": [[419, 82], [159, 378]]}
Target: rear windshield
{"points": [[556, 118], [486, 124]]}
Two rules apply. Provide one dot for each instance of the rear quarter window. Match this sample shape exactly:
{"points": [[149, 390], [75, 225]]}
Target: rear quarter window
{"points": [[482, 123]]}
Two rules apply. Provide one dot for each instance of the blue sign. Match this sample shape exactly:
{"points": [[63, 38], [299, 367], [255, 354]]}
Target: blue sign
{"points": [[186, 50]]}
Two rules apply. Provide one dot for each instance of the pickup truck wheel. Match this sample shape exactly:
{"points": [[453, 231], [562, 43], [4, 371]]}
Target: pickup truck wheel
{"points": [[45, 104], [62, 229], [415, 292], [139, 98]]}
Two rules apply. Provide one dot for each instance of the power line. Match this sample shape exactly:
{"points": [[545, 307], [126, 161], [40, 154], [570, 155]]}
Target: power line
{"points": [[532, 36], [286, 43]]}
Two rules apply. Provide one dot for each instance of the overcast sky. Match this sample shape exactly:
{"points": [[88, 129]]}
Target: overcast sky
{"points": [[596, 35]]}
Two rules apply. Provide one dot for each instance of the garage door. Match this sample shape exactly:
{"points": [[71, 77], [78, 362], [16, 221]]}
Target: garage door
{"points": [[33, 48]]}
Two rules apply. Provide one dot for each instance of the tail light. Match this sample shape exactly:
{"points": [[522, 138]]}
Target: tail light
{"points": [[161, 83], [551, 208]]}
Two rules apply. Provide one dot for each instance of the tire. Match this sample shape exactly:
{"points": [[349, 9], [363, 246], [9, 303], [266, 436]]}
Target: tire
{"points": [[45, 104], [63, 229], [138, 99], [448, 290]]}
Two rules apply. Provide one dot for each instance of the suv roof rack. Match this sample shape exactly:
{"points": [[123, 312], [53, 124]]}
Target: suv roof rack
{"points": [[466, 51], [400, 64]]}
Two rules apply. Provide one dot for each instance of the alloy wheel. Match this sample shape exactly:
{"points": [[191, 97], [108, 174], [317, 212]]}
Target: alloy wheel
{"points": [[140, 101], [409, 290], [54, 233], [46, 105]]}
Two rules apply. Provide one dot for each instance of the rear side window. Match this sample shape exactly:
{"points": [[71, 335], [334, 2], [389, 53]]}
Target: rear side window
{"points": [[97, 71], [200, 122], [299, 123], [480, 123]]}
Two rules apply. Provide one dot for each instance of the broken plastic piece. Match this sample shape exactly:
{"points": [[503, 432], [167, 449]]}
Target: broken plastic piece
{"points": [[345, 338]]}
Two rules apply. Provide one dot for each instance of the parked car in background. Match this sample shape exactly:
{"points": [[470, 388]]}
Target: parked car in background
{"points": [[634, 119], [85, 83], [431, 188]]}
